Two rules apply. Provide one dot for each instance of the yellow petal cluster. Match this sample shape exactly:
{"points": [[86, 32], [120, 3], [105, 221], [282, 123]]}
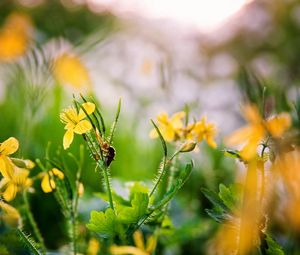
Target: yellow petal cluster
{"points": [[257, 130], [48, 182], [75, 122], [202, 130], [69, 70], [170, 127], [173, 129], [140, 249], [15, 36], [11, 184]]}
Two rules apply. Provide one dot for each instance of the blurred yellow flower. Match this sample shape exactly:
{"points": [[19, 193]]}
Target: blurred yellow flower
{"points": [[287, 167], [69, 70], [10, 185], [170, 128], [80, 189], [15, 36], [75, 122], [202, 130], [146, 67], [240, 235], [9, 214], [140, 249], [173, 129], [257, 130], [48, 183], [7, 148], [93, 246]]}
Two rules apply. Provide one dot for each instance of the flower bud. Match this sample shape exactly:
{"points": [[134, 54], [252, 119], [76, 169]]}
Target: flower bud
{"points": [[188, 146]]}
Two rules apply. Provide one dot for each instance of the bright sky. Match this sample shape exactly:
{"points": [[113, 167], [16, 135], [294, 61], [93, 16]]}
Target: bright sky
{"points": [[205, 14]]}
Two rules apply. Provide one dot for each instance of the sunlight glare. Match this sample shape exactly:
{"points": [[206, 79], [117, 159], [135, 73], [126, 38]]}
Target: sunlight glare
{"points": [[204, 14]]}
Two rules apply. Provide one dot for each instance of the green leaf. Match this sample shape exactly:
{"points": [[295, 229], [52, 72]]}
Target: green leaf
{"points": [[185, 173], [104, 224], [28, 242], [138, 208], [231, 196], [214, 199], [138, 187], [183, 177], [3, 250], [232, 153], [218, 215], [273, 247]]}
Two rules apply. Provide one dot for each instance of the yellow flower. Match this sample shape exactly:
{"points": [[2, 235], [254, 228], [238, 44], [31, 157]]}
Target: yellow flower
{"points": [[140, 249], [48, 183], [257, 130], [287, 168], [68, 69], [204, 131], [93, 247], [9, 214], [15, 36], [170, 128], [7, 148], [75, 122], [10, 185]]}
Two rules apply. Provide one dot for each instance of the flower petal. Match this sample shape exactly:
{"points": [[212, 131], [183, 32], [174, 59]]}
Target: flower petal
{"points": [[123, 250], [9, 146], [168, 133], [6, 167], [210, 141], [252, 114], [10, 192], [151, 244], [88, 107], [239, 136], [57, 173], [279, 124], [10, 215], [177, 120], [47, 184], [250, 150], [83, 127], [68, 138], [138, 240], [153, 134]]}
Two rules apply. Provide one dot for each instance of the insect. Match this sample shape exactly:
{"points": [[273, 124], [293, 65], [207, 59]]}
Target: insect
{"points": [[109, 153]]}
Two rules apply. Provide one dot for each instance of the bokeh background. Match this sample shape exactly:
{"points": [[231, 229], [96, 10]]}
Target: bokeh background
{"points": [[156, 56]]}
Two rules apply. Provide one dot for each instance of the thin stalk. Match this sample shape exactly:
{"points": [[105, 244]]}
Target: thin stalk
{"points": [[107, 184], [32, 222], [162, 173], [262, 169], [78, 178], [164, 163], [73, 229]]}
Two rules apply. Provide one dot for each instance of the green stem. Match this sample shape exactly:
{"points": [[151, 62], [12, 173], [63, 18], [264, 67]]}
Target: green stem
{"points": [[164, 164], [32, 222], [107, 184], [73, 234]]}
